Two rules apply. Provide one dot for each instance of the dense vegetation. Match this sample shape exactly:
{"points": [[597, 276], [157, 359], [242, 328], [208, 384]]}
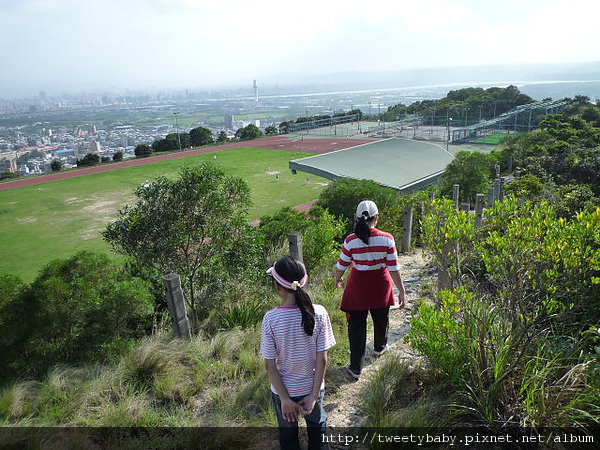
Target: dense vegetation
{"points": [[513, 339], [465, 105]]}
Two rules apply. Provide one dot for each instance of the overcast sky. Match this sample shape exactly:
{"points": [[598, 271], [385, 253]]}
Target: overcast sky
{"points": [[195, 43]]}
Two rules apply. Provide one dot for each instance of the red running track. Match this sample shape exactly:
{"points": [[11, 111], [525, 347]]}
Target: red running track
{"points": [[311, 145]]}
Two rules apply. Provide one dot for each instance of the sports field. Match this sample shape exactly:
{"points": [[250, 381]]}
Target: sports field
{"points": [[55, 219], [402, 164]]}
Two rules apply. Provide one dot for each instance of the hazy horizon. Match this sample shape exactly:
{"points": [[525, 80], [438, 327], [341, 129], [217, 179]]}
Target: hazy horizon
{"points": [[167, 44]]}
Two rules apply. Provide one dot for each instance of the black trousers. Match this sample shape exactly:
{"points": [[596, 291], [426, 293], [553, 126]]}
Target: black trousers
{"points": [[357, 334]]}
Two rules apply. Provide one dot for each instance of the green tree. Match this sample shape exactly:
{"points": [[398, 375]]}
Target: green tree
{"points": [[321, 232], [91, 159], [118, 156], [143, 150], [248, 133], [201, 136], [342, 196], [473, 171], [271, 130], [56, 165], [185, 225], [222, 137], [76, 310]]}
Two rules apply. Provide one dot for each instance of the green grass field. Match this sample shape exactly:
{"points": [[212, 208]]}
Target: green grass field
{"points": [[55, 220], [493, 139]]}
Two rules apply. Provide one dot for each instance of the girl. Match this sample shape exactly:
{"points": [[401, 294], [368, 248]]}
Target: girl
{"points": [[295, 338], [372, 255]]}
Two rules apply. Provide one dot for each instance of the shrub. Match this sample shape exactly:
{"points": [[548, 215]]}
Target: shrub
{"points": [[76, 310]]}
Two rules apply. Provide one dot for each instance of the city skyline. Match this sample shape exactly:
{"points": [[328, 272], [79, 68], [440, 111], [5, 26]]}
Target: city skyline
{"points": [[64, 44]]}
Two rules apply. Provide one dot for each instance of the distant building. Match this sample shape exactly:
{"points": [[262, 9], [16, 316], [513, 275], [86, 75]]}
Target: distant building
{"points": [[229, 122], [8, 165], [95, 147]]}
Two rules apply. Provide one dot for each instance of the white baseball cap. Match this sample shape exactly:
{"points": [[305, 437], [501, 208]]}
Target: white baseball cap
{"points": [[366, 208]]}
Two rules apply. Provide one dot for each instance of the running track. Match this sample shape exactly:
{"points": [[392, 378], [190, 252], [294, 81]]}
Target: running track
{"points": [[276, 142]]}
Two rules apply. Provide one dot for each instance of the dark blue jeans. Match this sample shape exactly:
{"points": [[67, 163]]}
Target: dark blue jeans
{"points": [[316, 426]]}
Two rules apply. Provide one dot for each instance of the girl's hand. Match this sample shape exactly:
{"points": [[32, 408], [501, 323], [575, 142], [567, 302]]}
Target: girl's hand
{"points": [[289, 410], [307, 404]]}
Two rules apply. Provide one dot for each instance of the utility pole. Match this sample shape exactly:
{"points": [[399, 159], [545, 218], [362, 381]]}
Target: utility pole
{"points": [[177, 128]]}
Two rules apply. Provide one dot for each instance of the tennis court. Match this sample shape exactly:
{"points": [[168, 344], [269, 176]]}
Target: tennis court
{"points": [[401, 164]]}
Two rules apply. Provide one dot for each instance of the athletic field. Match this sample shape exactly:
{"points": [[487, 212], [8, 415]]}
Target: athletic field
{"points": [[401, 164]]}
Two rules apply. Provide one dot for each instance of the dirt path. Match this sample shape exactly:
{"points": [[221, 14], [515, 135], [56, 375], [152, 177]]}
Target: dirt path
{"points": [[342, 399]]}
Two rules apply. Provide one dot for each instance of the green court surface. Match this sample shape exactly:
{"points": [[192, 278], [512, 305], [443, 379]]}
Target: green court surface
{"points": [[402, 164]]}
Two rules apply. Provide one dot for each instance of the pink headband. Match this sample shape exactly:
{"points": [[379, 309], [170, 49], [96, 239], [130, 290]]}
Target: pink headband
{"points": [[285, 283]]}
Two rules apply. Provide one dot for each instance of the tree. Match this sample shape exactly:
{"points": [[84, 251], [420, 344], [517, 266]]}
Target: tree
{"points": [[118, 156], [184, 225], [343, 195], [473, 171], [143, 150], [222, 137], [248, 133], [200, 136], [56, 165], [91, 159], [270, 131], [76, 310]]}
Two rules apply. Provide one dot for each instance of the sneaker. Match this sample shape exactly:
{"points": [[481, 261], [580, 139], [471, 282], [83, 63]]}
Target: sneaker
{"points": [[382, 351], [352, 373]]}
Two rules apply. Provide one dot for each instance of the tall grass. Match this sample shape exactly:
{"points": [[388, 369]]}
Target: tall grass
{"points": [[160, 382]]}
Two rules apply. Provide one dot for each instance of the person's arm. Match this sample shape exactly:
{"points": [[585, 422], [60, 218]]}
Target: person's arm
{"points": [[397, 278], [308, 403], [289, 408], [337, 275]]}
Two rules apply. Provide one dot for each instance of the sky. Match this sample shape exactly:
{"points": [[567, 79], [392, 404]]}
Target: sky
{"points": [[136, 44]]}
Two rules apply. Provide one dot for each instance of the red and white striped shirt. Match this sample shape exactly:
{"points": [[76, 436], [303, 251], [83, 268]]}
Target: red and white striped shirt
{"points": [[283, 339], [379, 253]]}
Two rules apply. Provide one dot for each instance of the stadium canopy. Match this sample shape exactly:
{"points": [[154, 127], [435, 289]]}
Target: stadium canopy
{"points": [[401, 164]]}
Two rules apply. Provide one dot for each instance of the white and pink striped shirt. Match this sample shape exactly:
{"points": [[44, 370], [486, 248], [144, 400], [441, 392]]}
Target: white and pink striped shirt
{"points": [[379, 253], [283, 339]]}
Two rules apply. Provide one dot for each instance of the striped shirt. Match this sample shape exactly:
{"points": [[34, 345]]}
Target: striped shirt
{"points": [[283, 339], [378, 254]]}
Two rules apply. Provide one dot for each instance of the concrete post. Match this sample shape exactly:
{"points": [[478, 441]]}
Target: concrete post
{"points": [[490, 198], [478, 210], [407, 233], [497, 189], [455, 194], [295, 242], [176, 305]]}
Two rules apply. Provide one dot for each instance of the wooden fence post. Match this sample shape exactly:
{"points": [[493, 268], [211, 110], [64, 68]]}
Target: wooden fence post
{"points": [[407, 233], [478, 210], [176, 305], [295, 241]]}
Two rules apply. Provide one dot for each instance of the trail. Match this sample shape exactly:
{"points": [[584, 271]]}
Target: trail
{"points": [[342, 393]]}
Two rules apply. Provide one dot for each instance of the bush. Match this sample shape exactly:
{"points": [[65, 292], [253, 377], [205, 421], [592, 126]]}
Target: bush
{"points": [[320, 233], [79, 309], [343, 195]]}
